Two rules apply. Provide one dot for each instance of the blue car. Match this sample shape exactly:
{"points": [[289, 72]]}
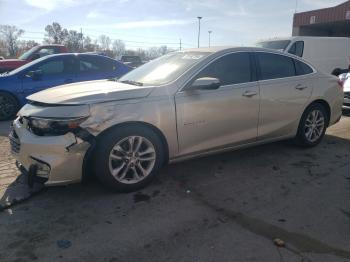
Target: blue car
{"points": [[51, 71]]}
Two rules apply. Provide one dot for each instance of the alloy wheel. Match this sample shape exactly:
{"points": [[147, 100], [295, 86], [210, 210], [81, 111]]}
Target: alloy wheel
{"points": [[314, 125], [132, 159]]}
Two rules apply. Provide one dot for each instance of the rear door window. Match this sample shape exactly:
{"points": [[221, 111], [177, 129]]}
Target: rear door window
{"points": [[274, 66], [93, 64]]}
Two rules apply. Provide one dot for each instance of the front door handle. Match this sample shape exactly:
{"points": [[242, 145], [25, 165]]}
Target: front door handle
{"points": [[300, 87], [249, 93]]}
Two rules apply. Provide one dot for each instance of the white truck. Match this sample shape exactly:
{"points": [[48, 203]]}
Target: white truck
{"points": [[329, 54]]}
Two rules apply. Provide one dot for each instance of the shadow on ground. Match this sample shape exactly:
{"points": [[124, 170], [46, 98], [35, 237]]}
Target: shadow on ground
{"points": [[275, 190]]}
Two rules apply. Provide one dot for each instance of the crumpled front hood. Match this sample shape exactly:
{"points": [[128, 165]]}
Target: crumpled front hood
{"points": [[90, 92]]}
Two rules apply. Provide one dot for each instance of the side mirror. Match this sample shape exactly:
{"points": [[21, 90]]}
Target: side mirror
{"points": [[206, 83], [35, 75]]}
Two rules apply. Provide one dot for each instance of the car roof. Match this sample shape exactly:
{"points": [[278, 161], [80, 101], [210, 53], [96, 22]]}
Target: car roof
{"points": [[225, 49], [301, 37], [77, 54]]}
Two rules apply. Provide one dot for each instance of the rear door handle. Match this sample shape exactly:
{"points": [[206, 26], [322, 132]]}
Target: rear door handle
{"points": [[300, 87], [249, 93]]}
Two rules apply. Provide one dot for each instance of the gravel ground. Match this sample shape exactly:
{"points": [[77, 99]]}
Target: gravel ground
{"points": [[227, 207]]}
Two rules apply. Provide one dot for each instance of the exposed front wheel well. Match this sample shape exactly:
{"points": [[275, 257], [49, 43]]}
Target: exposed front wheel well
{"points": [[154, 129]]}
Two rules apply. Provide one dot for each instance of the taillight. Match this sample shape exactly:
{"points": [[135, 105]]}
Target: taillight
{"points": [[341, 84]]}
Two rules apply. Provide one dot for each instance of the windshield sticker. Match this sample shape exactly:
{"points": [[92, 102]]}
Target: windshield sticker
{"points": [[192, 57]]}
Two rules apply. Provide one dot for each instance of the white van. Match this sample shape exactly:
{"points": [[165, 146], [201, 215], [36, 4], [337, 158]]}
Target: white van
{"points": [[328, 54]]}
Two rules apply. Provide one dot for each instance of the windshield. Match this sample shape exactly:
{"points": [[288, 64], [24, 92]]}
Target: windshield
{"points": [[28, 53], [164, 69], [277, 45]]}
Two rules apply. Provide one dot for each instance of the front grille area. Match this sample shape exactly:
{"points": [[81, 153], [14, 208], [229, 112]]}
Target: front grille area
{"points": [[347, 95], [14, 142]]}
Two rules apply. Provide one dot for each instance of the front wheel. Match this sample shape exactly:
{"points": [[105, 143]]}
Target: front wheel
{"points": [[127, 158], [312, 126], [8, 106]]}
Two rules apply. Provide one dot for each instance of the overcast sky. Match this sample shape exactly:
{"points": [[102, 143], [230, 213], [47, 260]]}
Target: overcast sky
{"points": [[143, 23]]}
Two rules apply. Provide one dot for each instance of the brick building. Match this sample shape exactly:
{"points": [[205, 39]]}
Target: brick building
{"points": [[333, 21]]}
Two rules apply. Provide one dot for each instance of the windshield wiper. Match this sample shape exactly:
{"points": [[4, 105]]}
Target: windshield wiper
{"points": [[131, 82]]}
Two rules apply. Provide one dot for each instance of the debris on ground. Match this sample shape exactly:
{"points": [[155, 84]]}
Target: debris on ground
{"points": [[64, 244], [279, 242]]}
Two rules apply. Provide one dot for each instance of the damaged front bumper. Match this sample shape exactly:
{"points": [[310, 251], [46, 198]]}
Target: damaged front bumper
{"points": [[53, 160]]}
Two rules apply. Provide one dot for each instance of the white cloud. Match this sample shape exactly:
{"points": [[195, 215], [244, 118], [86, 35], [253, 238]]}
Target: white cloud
{"points": [[93, 14], [151, 23], [322, 3], [50, 5]]}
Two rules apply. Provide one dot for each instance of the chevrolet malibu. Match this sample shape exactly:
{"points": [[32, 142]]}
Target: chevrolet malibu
{"points": [[185, 104]]}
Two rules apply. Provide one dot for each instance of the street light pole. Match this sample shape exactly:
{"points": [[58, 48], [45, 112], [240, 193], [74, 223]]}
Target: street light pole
{"points": [[209, 32], [199, 28]]}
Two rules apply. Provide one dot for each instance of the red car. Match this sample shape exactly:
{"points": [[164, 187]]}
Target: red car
{"points": [[32, 54]]}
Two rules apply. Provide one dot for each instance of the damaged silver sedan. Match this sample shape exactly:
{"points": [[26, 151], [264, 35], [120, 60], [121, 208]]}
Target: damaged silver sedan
{"points": [[182, 105]]}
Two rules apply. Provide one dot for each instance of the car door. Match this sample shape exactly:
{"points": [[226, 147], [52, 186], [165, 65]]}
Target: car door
{"points": [[54, 71], [94, 67], [284, 91], [227, 116]]}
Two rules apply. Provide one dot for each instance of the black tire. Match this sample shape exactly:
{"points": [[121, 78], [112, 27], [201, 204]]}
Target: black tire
{"points": [[105, 144], [336, 72], [8, 106], [301, 138]]}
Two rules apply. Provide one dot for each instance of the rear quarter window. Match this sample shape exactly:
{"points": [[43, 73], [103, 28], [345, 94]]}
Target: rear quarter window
{"points": [[273, 66], [302, 68]]}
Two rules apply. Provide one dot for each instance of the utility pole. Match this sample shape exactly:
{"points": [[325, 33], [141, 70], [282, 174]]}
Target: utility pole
{"points": [[199, 28], [180, 44], [296, 6], [81, 38], [209, 32]]}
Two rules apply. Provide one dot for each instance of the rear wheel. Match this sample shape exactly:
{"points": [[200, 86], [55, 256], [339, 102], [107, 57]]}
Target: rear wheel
{"points": [[312, 126], [8, 106], [127, 158]]}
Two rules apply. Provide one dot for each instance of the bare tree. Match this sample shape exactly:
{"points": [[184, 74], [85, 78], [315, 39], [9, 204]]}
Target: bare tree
{"points": [[10, 35], [55, 34], [73, 41], [3, 49], [118, 47], [152, 52], [105, 42], [89, 45], [26, 45], [163, 50]]}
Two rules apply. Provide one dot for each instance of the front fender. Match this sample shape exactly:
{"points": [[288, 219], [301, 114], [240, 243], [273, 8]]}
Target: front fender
{"points": [[159, 113]]}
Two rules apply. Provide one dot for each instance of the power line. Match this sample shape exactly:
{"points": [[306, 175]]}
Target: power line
{"points": [[126, 41]]}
